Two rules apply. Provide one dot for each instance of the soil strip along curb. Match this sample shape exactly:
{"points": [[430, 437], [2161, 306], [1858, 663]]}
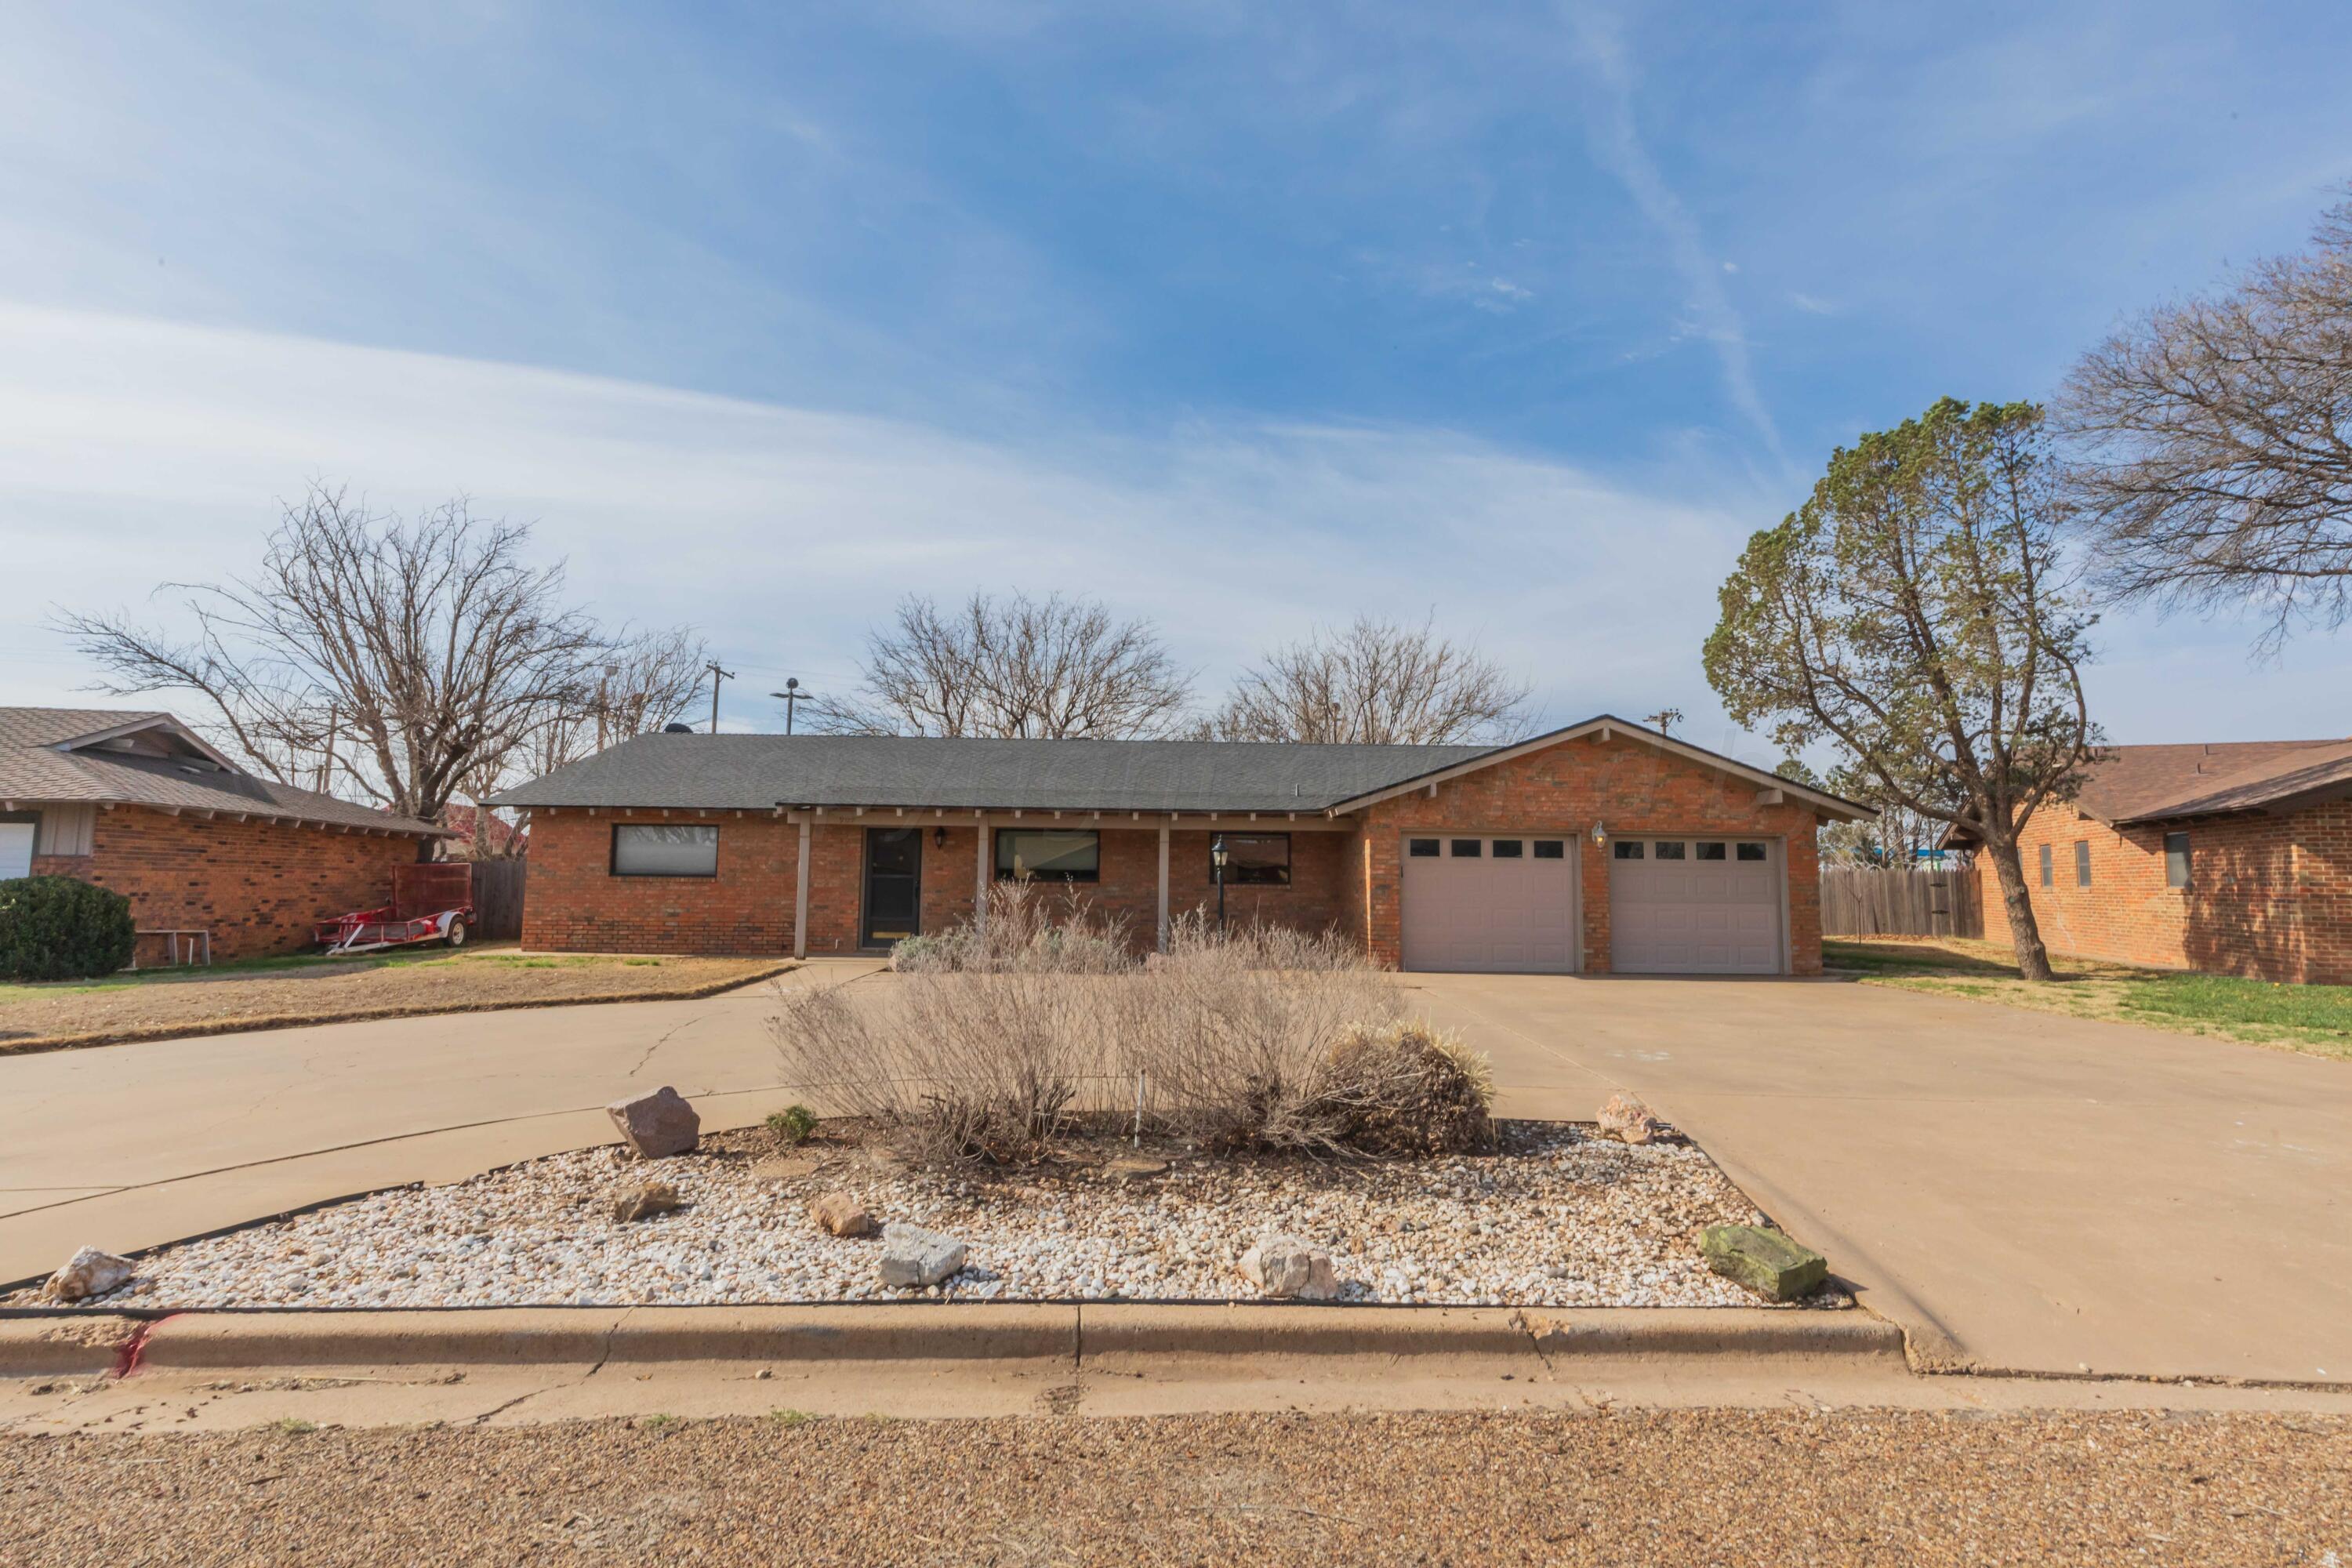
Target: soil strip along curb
{"points": [[51, 1344]]}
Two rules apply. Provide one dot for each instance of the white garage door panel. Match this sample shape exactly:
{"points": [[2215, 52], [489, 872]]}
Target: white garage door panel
{"points": [[1693, 916], [1484, 914]]}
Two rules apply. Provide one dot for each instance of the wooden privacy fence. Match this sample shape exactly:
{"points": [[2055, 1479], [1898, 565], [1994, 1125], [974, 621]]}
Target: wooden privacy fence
{"points": [[498, 898], [1856, 901]]}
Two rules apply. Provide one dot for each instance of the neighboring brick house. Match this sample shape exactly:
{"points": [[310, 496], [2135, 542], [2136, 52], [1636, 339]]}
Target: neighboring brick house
{"points": [[138, 803], [2232, 858], [1603, 846]]}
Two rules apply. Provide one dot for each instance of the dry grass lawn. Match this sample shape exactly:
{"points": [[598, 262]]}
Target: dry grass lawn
{"points": [[2317, 1019], [282, 991]]}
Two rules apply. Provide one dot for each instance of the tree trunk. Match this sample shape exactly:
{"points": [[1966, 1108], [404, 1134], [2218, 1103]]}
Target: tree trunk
{"points": [[2033, 958]]}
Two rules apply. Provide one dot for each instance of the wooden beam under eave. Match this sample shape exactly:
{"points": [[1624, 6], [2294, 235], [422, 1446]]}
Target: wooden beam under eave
{"points": [[1770, 797]]}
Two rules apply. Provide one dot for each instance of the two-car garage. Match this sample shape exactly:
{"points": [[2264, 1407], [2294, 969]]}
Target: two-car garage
{"points": [[1506, 903]]}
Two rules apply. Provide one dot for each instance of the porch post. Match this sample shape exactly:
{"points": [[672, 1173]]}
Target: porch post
{"points": [[800, 897], [1163, 887], [980, 868]]}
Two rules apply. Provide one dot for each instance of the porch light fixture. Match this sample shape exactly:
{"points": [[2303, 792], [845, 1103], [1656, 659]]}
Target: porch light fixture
{"points": [[1217, 855], [1599, 835], [939, 837]]}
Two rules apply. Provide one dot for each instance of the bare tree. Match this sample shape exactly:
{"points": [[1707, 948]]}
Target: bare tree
{"points": [[406, 654], [1015, 667], [1380, 682], [2215, 438]]}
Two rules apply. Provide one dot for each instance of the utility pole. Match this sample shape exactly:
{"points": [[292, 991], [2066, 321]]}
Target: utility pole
{"points": [[791, 694], [604, 702], [1665, 719], [717, 675]]}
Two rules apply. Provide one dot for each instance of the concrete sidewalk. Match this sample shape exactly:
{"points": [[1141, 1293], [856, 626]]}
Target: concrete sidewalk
{"points": [[2021, 1191], [125, 1146]]}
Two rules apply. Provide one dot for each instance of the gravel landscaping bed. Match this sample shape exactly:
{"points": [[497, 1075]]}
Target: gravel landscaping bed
{"points": [[1559, 1217]]}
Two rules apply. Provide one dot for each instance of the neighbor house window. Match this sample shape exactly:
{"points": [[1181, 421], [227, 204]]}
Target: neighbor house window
{"points": [[1628, 849], [2045, 865], [665, 850], [2176, 859], [1263, 858], [1714, 851], [1507, 848], [1421, 847], [2082, 862], [1551, 849], [1041, 855]]}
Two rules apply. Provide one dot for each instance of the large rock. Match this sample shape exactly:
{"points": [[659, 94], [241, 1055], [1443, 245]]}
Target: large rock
{"points": [[1765, 1261], [1286, 1266], [88, 1272], [913, 1256], [656, 1125], [838, 1214], [645, 1201], [1627, 1120]]}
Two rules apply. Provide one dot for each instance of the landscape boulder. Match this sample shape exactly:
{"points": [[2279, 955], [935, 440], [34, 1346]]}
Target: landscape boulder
{"points": [[645, 1201], [656, 1125], [1765, 1261], [1286, 1266], [913, 1258], [1627, 1120], [89, 1273], [838, 1214]]}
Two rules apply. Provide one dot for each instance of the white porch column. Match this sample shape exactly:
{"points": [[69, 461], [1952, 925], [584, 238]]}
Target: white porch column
{"points": [[1163, 887], [982, 866], [800, 897]]}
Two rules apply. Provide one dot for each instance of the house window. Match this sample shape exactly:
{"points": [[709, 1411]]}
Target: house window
{"points": [[2045, 866], [2176, 859], [1421, 848], [2082, 862], [665, 850], [1668, 849], [1551, 849], [1507, 848], [1045, 855], [18, 831], [1753, 852], [1714, 851], [1466, 848], [1628, 849], [1255, 859]]}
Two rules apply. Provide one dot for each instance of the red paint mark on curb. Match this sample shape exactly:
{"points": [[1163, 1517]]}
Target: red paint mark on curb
{"points": [[126, 1360]]}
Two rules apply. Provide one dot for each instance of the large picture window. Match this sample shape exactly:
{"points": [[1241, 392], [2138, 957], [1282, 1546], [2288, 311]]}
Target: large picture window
{"points": [[1259, 858], [1046, 854], [665, 850]]}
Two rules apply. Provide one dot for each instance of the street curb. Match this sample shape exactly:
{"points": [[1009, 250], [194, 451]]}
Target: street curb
{"points": [[1073, 1334]]}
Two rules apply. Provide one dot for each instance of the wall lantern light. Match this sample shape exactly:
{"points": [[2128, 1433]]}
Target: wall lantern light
{"points": [[1599, 835]]}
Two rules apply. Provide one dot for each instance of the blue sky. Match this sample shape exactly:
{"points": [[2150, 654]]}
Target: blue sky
{"points": [[1241, 317]]}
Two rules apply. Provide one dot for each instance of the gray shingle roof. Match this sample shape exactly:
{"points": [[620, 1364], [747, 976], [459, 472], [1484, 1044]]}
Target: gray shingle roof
{"points": [[33, 769], [740, 772]]}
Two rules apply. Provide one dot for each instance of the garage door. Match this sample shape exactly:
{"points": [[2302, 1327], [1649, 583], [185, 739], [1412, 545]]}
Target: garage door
{"points": [[1695, 906], [1499, 904]]}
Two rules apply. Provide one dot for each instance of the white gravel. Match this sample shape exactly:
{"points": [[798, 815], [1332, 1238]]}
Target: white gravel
{"points": [[1558, 1218]]}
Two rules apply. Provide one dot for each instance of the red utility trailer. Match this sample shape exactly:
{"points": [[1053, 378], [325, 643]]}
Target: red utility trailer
{"points": [[433, 901]]}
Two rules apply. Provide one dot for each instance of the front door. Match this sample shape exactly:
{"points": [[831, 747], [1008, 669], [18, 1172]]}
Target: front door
{"points": [[894, 885]]}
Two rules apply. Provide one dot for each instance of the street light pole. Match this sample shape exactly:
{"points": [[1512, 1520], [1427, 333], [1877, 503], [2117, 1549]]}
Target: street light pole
{"points": [[791, 694]]}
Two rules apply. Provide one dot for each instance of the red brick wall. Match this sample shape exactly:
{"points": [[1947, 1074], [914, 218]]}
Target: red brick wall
{"points": [[257, 886], [1632, 787], [572, 902], [2269, 898]]}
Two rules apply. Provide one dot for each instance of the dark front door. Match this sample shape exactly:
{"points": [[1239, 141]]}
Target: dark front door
{"points": [[894, 885]]}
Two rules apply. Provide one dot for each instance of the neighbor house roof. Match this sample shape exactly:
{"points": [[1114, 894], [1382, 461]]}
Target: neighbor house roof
{"points": [[762, 772], [113, 757], [2150, 783]]}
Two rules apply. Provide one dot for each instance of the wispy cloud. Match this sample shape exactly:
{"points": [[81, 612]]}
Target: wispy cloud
{"points": [[1618, 147]]}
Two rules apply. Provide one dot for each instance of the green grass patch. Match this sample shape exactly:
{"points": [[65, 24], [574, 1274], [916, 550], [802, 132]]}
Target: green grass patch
{"points": [[2314, 1012]]}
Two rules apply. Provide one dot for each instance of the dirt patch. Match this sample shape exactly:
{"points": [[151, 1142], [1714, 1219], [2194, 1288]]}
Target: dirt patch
{"points": [[284, 994]]}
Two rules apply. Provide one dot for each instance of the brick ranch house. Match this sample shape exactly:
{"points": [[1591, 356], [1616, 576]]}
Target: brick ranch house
{"points": [[2232, 858], [1599, 848], [138, 803]]}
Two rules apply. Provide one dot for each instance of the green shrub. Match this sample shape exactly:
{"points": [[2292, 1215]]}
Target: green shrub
{"points": [[792, 1124], [54, 928]]}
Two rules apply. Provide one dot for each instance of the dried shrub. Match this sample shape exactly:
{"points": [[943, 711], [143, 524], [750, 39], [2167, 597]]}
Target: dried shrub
{"points": [[1411, 1089], [1027, 929]]}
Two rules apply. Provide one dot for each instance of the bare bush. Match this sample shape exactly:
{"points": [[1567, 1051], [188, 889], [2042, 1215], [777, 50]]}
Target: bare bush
{"points": [[1026, 929], [1410, 1088]]}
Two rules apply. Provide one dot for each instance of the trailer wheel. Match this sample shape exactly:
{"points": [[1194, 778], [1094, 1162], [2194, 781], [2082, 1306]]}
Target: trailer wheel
{"points": [[456, 935]]}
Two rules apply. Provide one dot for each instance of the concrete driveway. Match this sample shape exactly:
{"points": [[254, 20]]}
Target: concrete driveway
{"points": [[2020, 1191]]}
